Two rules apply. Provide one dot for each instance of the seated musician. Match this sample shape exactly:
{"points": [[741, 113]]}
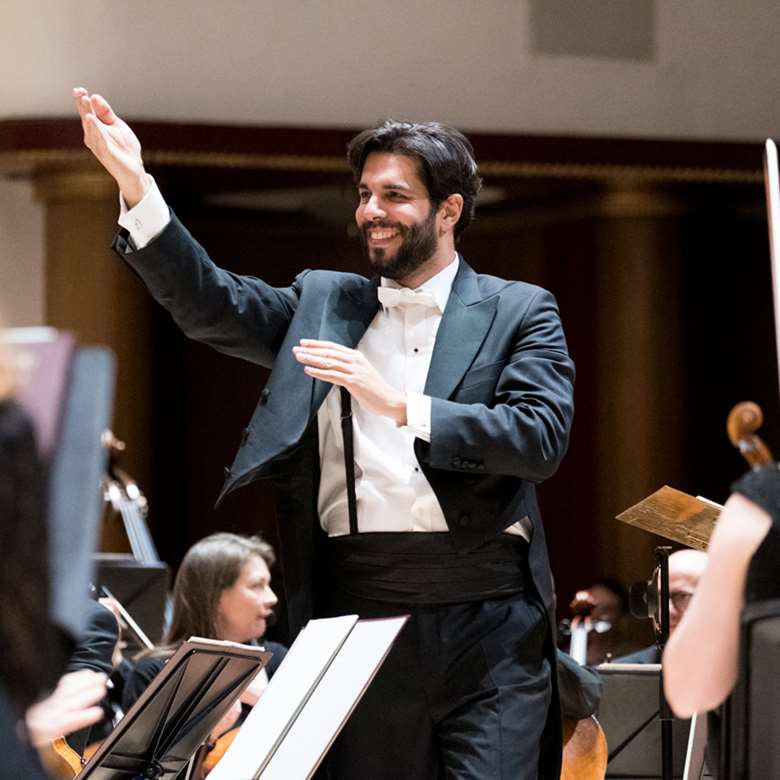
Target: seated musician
{"points": [[700, 660], [685, 570], [222, 591], [608, 601]]}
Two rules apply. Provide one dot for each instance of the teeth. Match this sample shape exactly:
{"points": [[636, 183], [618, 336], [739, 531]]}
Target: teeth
{"points": [[381, 235]]}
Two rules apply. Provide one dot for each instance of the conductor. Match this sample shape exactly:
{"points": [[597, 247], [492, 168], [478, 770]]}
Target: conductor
{"points": [[412, 414]]}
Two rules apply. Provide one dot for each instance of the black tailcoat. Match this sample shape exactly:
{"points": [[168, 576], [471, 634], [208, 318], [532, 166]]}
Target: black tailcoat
{"points": [[500, 380]]}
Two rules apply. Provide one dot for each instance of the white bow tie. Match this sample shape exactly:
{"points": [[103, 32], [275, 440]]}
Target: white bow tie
{"points": [[402, 296]]}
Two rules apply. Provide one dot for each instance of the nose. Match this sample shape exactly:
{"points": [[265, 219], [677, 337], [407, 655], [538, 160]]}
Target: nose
{"points": [[270, 598], [372, 209]]}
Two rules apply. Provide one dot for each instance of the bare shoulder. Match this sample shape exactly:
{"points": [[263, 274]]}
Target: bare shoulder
{"points": [[741, 528]]}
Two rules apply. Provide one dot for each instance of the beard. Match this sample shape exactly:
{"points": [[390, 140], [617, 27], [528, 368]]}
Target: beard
{"points": [[418, 244]]}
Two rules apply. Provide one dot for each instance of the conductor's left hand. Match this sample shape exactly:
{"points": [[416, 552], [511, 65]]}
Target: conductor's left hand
{"points": [[350, 369]]}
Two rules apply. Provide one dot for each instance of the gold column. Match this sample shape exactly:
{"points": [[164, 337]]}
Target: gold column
{"points": [[639, 370], [91, 293]]}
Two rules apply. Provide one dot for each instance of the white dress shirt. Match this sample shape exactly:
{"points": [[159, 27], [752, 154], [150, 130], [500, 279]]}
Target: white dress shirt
{"points": [[391, 489]]}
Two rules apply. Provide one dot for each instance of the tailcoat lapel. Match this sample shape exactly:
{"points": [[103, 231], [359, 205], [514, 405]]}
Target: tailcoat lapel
{"points": [[464, 325], [347, 313]]}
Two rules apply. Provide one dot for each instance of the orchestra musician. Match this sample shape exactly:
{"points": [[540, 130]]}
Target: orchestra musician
{"points": [[700, 660], [685, 570], [455, 390], [222, 591]]}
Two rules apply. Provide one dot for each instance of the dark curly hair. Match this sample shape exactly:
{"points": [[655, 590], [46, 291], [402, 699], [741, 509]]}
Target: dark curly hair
{"points": [[445, 155]]}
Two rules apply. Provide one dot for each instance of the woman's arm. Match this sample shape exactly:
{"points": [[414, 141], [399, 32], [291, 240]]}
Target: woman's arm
{"points": [[700, 660]]}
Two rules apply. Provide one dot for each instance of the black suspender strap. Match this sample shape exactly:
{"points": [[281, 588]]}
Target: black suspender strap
{"points": [[349, 457]]}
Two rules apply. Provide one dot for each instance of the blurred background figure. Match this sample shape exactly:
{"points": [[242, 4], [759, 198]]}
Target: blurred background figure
{"points": [[36, 705], [25, 631], [610, 632], [685, 570]]}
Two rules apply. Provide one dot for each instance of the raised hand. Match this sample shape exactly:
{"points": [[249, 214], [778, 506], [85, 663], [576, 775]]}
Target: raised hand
{"points": [[113, 143], [349, 368]]}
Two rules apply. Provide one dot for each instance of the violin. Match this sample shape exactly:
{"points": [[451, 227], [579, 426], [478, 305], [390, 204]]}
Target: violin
{"points": [[218, 749], [61, 761], [741, 426], [59, 758]]}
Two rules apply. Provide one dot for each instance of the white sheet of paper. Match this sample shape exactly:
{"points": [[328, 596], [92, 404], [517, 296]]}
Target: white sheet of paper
{"points": [[712, 503], [333, 700], [307, 660]]}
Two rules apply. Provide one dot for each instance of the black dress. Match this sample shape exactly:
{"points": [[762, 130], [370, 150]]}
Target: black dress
{"points": [[762, 487]]}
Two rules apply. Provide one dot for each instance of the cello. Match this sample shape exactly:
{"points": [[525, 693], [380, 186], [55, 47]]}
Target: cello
{"points": [[125, 509], [585, 751]]}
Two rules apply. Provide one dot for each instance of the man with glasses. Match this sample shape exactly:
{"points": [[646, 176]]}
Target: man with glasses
{"points": [[685, 570]]}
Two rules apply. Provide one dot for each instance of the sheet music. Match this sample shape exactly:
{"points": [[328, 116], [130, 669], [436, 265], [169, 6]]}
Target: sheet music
{"points": [[304, 665], [332, 702], [712, 503]]}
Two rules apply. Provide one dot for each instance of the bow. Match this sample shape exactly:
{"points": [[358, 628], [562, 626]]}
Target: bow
{"points": [[403, 296]]}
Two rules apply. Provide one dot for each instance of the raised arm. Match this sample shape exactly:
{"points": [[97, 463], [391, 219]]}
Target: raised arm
{"points": [[114, 144]]}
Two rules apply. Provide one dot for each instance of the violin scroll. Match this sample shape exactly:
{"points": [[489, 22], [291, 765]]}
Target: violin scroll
{"points": [[743, 422]]}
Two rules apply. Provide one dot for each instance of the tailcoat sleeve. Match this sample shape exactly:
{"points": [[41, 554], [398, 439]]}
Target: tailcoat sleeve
{"points": [[239, 315], [512, 415]]}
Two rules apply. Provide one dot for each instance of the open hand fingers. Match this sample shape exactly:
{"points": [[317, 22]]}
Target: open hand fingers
{"points": [[93, 105], [94, 134], [103, 110], [332, 346], [82, 102], [324, 358]]}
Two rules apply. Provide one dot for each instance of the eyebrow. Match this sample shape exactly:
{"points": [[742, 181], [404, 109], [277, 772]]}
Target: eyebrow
{"points": [[391, 186]]}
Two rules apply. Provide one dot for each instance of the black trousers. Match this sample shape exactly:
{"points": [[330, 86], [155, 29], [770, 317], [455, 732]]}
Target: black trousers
{"points": [[463, 695]]}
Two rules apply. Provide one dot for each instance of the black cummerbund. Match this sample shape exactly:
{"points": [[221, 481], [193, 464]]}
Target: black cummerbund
{"points": [[425, 568]]}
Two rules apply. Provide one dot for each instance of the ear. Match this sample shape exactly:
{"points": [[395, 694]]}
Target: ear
{"points": [[450, 211]]}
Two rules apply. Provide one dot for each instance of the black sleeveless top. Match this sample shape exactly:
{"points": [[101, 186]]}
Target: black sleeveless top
{"points": [[762, 487]]}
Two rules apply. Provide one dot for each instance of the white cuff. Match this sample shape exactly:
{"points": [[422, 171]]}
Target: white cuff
{"points": [[147, 219], [418, 415]]}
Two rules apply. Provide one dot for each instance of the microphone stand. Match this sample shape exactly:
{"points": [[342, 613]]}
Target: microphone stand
{"points": [[664, 710]]}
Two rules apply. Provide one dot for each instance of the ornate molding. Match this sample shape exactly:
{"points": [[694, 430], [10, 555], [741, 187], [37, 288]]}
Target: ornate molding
{"points": [[74, 184], [29, 145]]}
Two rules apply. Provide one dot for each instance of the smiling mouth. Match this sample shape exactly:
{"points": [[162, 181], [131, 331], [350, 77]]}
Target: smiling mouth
{"points": [[379, 235]]}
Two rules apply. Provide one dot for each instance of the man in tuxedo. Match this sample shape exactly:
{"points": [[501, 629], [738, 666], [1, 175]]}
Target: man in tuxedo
{"points": [[418, 408]]}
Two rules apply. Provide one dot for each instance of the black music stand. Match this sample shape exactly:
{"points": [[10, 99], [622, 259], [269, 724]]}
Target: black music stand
{"points": [[628, 713], [161, 732], [141, 588]]}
